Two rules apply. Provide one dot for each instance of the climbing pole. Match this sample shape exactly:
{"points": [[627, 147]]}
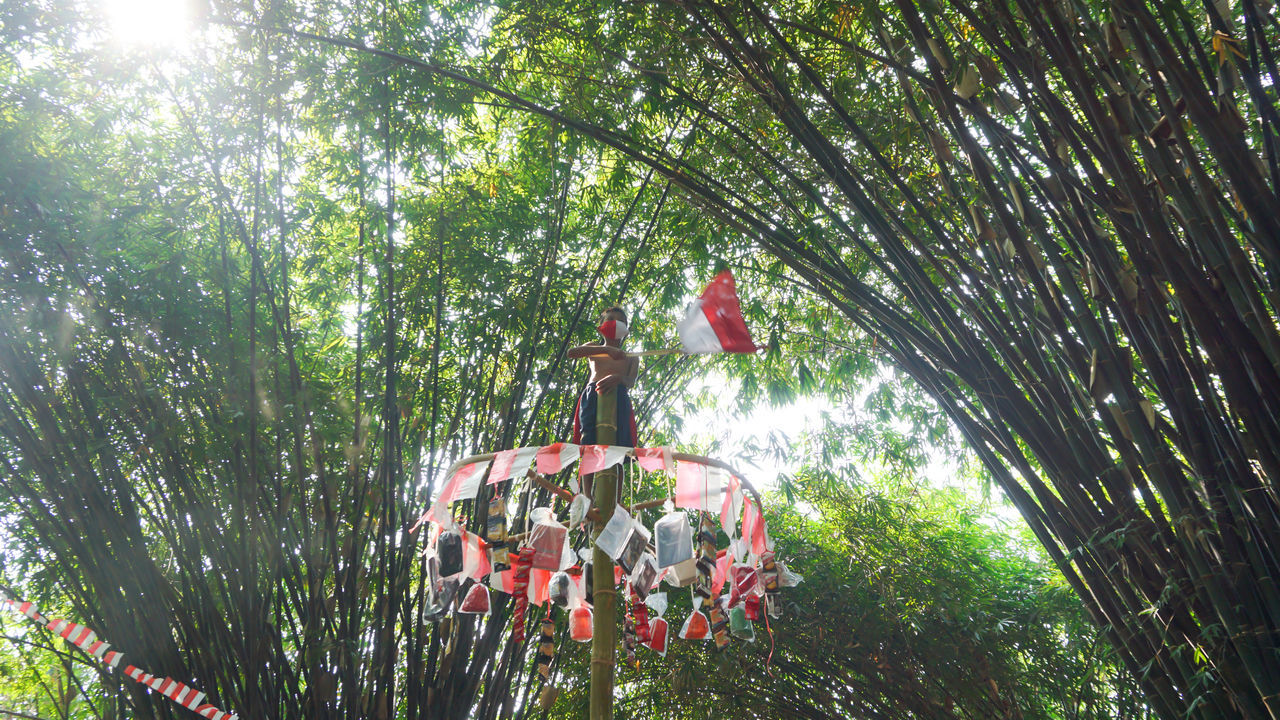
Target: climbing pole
{"points": [[604, 624]]}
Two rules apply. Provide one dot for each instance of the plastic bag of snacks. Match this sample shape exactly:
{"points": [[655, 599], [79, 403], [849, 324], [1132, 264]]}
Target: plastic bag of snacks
{"points": [[673, 539], [476, 601], [580, 624]]}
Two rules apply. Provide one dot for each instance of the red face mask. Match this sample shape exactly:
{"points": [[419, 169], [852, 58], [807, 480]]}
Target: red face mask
{"points": [[613, 329]]}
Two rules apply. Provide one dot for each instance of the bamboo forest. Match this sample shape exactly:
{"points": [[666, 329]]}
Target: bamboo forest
{"points": [[895, 359]]}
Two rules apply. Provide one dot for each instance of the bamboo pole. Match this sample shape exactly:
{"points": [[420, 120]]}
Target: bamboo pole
{"points": [[604, 622]]}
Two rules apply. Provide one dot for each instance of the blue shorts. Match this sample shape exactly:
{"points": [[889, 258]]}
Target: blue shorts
{"points": [[584, 418]]}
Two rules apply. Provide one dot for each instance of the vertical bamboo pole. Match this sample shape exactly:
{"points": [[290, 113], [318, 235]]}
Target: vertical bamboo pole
{"points": [[604, 630]]}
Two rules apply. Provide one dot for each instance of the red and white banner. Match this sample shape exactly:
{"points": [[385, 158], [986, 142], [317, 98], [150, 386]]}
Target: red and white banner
{"points": [[87, 640], [714, 323], [655, 458], [511, 464], [600, 457], [462, 484], [732, 508], [556, 457], [698, 486], [753, 530], [475, 556]]}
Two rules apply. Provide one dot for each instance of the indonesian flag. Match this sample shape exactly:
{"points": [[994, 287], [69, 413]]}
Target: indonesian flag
{"points": [[463, 484], [699, 487], [555, 457], [475, 558], [753, 529], [732, 508], [511, 464], [600, 457], [655, 458], [714, 322]]}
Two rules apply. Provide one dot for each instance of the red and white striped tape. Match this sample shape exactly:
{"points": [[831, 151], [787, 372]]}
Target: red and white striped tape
{"points": [[87, 640]]}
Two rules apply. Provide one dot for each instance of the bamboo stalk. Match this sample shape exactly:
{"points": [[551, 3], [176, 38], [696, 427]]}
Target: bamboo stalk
{"points": [[604, 630]]}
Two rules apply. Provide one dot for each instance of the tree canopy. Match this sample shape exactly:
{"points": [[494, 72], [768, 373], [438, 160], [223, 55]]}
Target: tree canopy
{"points": [[259, 290]]}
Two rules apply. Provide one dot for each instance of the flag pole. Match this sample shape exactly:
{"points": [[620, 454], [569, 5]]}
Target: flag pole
{"points": [[646, 353], [604, 631], [652, 353]]}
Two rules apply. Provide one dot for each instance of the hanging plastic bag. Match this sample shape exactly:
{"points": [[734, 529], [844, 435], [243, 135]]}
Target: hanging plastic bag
{"points": [[702, 586], [746, 581], [719, 625], [629, 638], [770, 577], [683, 573], [560, 589], [636, 545], [578, 510], [476, 601], [613, 536], [547, 538], [696, 627], [639, 612], [657, 602], [449, 551], [751, 606], [673, 539], [580, 624], [786, 578], [658, 636], [643, 576], [740, 625]]}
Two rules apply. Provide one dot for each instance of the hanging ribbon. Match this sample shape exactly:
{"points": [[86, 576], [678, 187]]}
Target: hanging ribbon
{"points": [[87, 640]]}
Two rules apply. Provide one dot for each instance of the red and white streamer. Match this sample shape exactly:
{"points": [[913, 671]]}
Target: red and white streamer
{"points": [[87, 640]]}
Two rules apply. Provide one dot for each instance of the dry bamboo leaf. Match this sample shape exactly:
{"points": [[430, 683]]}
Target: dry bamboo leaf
{"points": [[1090, 279], [1063, 152], [1129, 284], [936, 50], [1117, 41], [1093, 374], [989, 71], [1162, 131], [1125, 431], [1121, 106], [548, 696], [1149, 412], [1005, 102], [967, 86], [941, 148], [1015, 190], [981, 227]]}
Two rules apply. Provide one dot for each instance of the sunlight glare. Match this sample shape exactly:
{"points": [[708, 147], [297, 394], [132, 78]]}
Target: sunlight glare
{"points": [[148, 22]]}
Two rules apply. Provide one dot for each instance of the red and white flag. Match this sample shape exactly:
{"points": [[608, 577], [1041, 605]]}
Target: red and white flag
{"points": [[732, 508], [463, 484], [753, 528], [475, 556], [655, 458], [714, 323], [698, 486], [600, 457], [511, 464], [556, 457]]}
